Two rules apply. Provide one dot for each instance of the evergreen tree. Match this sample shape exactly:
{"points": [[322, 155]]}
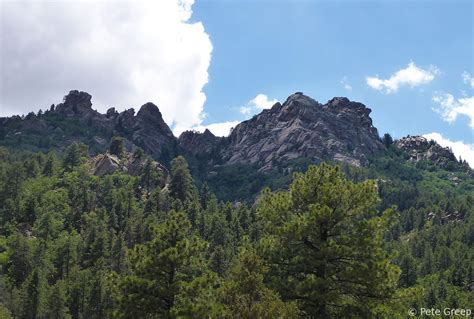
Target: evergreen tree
{"points": [[245, 295], [74, 155], [19, 263], [174, 257], [50, 164], [323, 240], [56, 302], [116, 146], [387, 140], [181, 183]]}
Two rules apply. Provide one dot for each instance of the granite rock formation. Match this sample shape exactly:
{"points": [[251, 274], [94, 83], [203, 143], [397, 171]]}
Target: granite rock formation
{"points": [[419, 149], [339, 130]]}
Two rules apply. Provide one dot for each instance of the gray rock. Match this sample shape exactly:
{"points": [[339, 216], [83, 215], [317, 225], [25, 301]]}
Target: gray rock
{"points": [[198, 143], [105, 164], [419, 149], [301, 127]]}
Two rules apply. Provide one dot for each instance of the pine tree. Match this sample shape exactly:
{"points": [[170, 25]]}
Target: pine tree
{"points": [[74, 155], [181, 184], [19, 263], [116, 146], [56, 302], [323, 240], [245, 295], [174, 257], [34, 295]]}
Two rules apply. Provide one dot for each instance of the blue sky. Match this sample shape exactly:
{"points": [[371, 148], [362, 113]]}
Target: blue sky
{"points": [[279, 47]]}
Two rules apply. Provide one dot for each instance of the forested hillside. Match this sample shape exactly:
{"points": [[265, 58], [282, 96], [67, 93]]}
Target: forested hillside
{"points": [[325, 241]]}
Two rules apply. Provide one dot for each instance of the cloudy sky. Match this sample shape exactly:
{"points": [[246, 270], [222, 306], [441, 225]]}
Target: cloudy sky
{"points": [[216, 63]]}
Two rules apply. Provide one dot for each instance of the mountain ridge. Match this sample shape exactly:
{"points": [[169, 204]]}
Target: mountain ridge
{"points": [[340, 130]]}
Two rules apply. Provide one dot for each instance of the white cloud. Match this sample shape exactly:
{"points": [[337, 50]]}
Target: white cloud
{"points": [[450, 107], [346, 84], [125, 53], [218, 129], [261, 101], [460, 149], [246, 110], [410, 76], [468, 79], [258, 103]]}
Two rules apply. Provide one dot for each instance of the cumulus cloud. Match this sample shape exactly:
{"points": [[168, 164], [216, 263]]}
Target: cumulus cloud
{"points": [[410, 76], [246, 110], [218, 129], [124, 53], [345, 84], [450, 107], [460, 149], [468, 79], [258, 103], [262, 101]]}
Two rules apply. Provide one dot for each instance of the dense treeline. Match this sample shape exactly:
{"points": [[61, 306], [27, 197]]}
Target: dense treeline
{"points": [[74, 245]]}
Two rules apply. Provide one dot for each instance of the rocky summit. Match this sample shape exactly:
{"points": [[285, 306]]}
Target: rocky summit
{"points": [[339, 130], [418, 149], [74, 120], [300, 128], [196, 143]]}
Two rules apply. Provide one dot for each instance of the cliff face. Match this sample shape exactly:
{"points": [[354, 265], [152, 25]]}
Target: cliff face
{"points": [[419, 149], [339, 130], [300, 127], [74, 120], [105, 164], [195, 143]]}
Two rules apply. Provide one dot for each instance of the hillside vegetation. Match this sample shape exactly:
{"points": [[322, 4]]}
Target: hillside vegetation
{"points": [[330, 241]]}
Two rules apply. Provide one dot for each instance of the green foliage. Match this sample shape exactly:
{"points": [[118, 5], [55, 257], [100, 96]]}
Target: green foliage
{"points": [[245, 294], [181, 184], [160, 268], [73, 245], [116, 146], [74, 155], [323, 240], [387, 140]]}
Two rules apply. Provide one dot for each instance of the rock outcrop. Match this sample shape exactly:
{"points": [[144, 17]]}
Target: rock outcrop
{"points": [[199, 143], [419, 149], [106, 163], [299, 128], [74, 120], [76, 103]]}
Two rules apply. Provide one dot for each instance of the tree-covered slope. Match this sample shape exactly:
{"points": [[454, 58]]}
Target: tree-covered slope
{"points": [[339, 241]]}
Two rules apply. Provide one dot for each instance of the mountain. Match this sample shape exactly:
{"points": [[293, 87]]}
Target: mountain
{"points": [[74, 120], [339, 130], [108, 230], [420, 149], [299, 129]]}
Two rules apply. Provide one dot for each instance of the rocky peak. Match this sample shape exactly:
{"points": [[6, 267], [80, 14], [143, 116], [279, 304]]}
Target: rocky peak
{"points": [[150, 116], [111, 113], [149, 131], [299, 99], [198, 143], [302, 127], [150, 110], [419, 148], [74, 120], [339, 102], [75, 103]]}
